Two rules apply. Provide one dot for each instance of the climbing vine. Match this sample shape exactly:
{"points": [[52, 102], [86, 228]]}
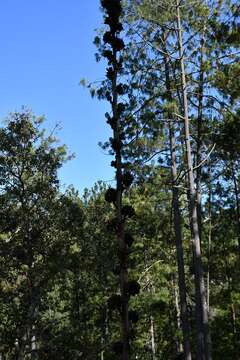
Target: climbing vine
{"points": [[112, 49]]}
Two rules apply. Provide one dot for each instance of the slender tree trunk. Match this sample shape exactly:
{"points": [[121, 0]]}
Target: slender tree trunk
{"points": [[178, 312], [199, 135], [209, 235], [104, 327], [151, 290], [177, 228], [104, 332], [203, 340], [236, 194], [34, 354], [20, 345], [230, 287], [179, 247], [153, 345]]}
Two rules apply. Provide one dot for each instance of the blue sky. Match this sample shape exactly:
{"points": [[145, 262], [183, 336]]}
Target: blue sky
{"points": [[46, 48]]}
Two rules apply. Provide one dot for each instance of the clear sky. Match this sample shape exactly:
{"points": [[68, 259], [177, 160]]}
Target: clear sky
{"points": [[46, 48]]}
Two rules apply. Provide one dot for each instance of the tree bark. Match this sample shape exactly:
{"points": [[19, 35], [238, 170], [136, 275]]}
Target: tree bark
{"points": [[178, 315], [177, 227], [199, 135], [236, 194], [153, 345], [20, 347], [203, 340], [230, 288], [179, 247], [34, 353], [209, 234]]}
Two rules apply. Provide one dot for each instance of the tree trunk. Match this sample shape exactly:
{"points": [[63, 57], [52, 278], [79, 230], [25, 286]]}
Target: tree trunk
{"points": [[230, 288], [34, 353], [117, 142], [178, 315], [203, 340], [199, 135], [153, 346], [179, 247], [209, 235], [177, 227], [236, 194], [20, 347]]}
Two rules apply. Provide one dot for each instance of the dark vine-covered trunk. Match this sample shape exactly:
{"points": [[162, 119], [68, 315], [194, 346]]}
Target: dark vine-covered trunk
{"points": [[113, 45]]}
